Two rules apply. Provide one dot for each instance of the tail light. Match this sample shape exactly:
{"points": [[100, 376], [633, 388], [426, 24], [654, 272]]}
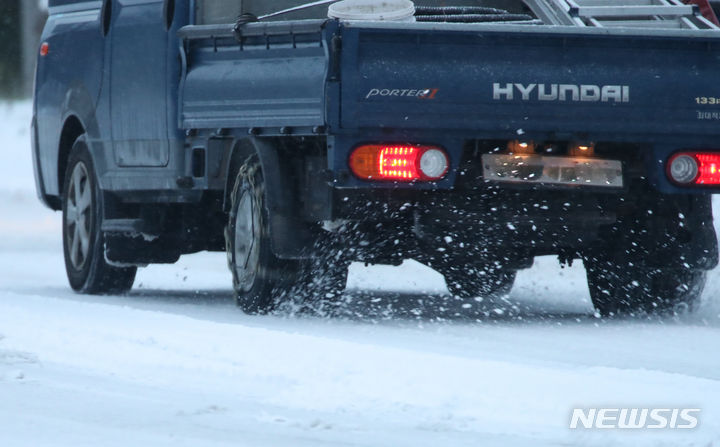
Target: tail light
{"points": [[399, 162], [694, 168]]}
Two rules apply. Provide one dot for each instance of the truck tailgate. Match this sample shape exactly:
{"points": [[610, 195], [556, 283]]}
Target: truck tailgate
{"points": [[542, 79]]}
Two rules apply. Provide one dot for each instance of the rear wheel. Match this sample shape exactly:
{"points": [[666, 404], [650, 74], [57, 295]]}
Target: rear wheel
{"points": [[83, 241], [471, 272], [618, 288], [260, 278], [654, 258], [470, 281]]}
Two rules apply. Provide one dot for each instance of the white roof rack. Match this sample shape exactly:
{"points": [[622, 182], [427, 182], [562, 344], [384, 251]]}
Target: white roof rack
{"points": [[666, 14]]}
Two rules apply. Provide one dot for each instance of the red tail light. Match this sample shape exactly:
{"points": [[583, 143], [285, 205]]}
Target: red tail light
{"points": [[399, 162], [695, 168]]}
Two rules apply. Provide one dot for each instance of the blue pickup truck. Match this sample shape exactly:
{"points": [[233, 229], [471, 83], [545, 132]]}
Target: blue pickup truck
{"points": [[472, 137]]}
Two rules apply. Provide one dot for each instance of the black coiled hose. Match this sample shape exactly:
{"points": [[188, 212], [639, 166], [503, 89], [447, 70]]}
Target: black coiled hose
{"points": [[466, 14], [455, 10], [475, 18]]}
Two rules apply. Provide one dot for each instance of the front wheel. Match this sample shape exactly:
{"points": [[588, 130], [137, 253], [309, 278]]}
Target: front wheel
{"points": [[83, 241]]}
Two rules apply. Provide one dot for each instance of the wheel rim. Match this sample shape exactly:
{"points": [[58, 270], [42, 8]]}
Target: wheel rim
{"points": [[247, 242], [78, 216]]}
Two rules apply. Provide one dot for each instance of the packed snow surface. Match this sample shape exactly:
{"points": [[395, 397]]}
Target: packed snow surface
{"points": [[400, 364]]}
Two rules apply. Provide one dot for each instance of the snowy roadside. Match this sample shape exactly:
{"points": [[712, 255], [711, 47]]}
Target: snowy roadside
{"points": [[113, 375]]}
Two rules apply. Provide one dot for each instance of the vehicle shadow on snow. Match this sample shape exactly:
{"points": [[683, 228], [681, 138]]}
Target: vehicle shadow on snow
{"points": [[202, 297], [517, 308], [380, 306], [375, 306]]}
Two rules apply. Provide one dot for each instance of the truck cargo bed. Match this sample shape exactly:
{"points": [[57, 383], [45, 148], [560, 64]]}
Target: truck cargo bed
{"points": [[545, 79]]}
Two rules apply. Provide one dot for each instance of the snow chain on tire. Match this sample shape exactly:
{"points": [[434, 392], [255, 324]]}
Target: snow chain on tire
{"points": [[248, 170]]}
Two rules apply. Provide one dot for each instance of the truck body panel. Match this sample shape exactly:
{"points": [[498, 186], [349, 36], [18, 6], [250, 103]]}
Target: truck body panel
{"points": [[139, 127], [228, 88]]}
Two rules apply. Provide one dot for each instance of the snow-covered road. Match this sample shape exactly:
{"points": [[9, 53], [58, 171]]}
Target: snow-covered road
{"points": [[175, 363]]}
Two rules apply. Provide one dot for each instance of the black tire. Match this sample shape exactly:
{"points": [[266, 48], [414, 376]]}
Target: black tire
{"points": [[260, 278], [83, 241], [618, 288], [470, 281]]}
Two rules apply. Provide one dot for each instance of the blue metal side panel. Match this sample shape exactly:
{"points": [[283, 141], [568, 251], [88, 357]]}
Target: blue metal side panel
{"points": [[255, 87], [138, 84], [71, 74], [385, 71]]}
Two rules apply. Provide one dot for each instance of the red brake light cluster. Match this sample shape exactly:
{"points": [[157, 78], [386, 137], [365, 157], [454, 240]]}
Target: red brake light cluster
{"points": [[694, 168], [399, 162], [709, 169]]}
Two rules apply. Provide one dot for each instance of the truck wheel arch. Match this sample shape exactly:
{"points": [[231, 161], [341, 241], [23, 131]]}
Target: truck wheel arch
{"points": [[267, 151], [72, 129], [78, 117], [291, 236]]}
